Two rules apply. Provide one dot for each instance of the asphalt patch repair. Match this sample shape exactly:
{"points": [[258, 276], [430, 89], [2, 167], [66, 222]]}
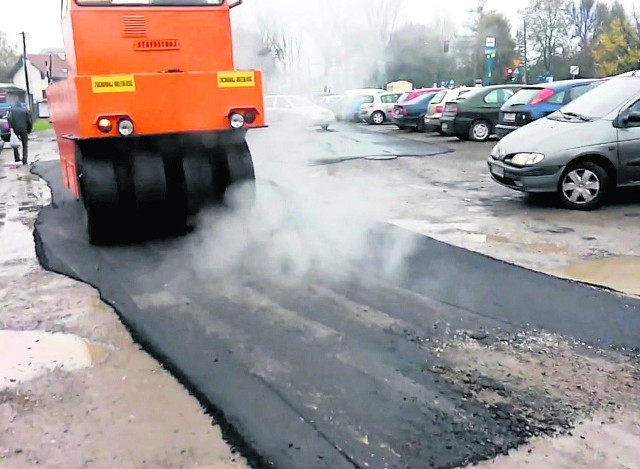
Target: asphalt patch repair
{"points": [[459, 360]]}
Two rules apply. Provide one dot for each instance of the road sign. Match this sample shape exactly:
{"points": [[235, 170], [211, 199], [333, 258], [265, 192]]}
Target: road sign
{"points": [[574, 70], [490, 42], [516, 63]]}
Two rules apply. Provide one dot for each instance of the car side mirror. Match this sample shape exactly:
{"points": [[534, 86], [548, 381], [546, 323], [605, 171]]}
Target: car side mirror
{"points": [[626, 117], [633, 116]]}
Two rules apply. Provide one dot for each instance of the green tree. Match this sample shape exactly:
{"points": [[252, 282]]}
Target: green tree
{"points": [[618, 48], [411, 55], [496, 25], [8, 56], [469, 49], [477, 44], [617, 11]]}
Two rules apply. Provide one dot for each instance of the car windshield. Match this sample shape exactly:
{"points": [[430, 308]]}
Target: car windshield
{"points": [[420, 99], [437, 99], [522, 97], [603, 99], [471, 93], [365, 99], [171, 3]]}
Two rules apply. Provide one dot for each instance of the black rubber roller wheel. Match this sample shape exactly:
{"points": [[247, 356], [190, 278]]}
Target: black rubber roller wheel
{"points": [[159, 196], [242, 189], [99, 192], [150, 183], [199, 184]]}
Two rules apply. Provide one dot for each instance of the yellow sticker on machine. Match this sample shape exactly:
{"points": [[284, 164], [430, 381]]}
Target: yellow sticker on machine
{"points": [[114, 84], [236, 79]]}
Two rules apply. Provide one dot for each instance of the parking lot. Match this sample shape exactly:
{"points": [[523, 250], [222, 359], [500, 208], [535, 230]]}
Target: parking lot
{"points": [[296, 282], [450, 196]]}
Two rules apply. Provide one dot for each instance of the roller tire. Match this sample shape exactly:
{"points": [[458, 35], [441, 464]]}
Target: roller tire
{"points": [[99, 191], [241, 175]]}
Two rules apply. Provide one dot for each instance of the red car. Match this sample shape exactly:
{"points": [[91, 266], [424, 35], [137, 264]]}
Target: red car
{"points": [[409, 95]]}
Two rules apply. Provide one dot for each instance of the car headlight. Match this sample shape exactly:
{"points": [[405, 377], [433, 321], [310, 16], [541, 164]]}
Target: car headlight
{"points": [[495, 152], [527, 159]]}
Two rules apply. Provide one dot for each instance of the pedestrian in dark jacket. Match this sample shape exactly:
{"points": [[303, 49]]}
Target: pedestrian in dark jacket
{"points": [[21, 122]]}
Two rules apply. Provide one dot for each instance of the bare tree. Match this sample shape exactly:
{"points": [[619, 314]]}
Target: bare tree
{"points": [[8, 56], [282, 39], [381, 18], [548, 28], [476, 46], [589, 19]]}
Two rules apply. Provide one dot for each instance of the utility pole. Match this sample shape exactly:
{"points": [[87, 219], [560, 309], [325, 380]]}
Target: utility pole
{"points": [[26, 69], [524, 59]]}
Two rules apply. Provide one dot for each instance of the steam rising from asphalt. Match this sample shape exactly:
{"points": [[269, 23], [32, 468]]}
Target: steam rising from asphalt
{"points": [[301, 226], [297, 229]]}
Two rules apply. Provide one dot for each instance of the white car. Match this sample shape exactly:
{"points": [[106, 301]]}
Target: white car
{"points": [[378, 107], [353, 99], [297, 110], [436, 107]]}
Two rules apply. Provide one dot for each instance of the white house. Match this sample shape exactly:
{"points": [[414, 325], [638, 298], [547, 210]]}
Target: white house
{"points": [[38, 65]]}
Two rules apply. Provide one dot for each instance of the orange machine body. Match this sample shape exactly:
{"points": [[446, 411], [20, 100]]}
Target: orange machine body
{"points": [[169, 69]]}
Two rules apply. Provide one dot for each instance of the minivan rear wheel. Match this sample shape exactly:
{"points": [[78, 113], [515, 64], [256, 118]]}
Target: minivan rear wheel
{"points": [[583, 186]]}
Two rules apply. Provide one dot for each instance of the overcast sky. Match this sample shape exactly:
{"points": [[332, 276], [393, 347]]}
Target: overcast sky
{"points": [[40, 18]]}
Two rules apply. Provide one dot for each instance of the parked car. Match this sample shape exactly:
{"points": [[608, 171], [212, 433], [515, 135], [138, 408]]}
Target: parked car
{"points": [[297, 110], [353, 99], [581, 151], [534, 102], [410, 95], [379, 111], [474, 115], [436, 107], [410, 114], [5, 130], [332, 102]]}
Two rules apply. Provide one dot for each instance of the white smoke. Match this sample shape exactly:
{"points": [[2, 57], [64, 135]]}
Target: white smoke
{"points": [[299, 225]]}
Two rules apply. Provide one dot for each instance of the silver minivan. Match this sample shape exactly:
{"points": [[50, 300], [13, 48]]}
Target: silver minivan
{"points": [[581, 151]]}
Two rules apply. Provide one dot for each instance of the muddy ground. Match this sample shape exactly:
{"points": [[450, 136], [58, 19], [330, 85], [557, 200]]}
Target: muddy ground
{"points": [[96, 402], [65, 419]]}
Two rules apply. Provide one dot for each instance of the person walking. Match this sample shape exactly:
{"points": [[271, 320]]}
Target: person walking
{"points": [[21, 122]]}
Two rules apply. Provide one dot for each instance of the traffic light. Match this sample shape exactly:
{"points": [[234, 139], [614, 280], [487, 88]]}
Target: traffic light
{"points": [[510, 74], [446, 46]]}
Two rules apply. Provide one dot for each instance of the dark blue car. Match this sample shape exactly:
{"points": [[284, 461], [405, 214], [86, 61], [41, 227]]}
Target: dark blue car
{"points": [[536, 101], [410, 114]]}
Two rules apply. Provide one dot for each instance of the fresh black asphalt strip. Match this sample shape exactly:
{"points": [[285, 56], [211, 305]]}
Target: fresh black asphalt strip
{"points": [[322, 373]]}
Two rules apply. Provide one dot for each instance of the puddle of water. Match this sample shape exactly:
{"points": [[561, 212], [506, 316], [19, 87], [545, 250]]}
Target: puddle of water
{"points": [[426, 227], [465, 232], [529, 247], [26, 355], [23, 194], [622, 273]]}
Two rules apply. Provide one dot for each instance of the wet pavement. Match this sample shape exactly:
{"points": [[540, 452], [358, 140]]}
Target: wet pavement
{"points": [[75, 390], [365, 345]]}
